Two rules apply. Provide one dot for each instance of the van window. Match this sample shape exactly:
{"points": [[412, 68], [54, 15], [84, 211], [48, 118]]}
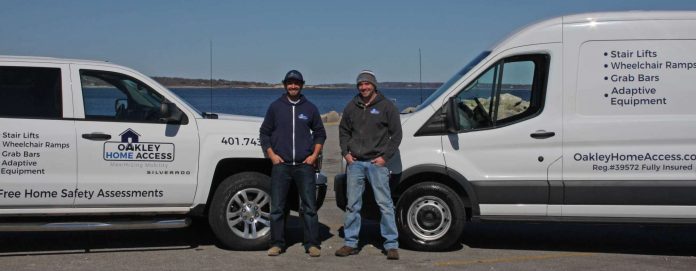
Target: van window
{"points": [[507, 92], [31, 92], [117, 97]]}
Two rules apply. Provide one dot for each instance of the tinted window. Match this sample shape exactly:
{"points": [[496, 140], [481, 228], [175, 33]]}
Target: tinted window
{"points": [[506, 92], [113, 96], [30, 92]]}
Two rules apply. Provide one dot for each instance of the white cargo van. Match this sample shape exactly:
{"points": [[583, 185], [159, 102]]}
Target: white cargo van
{"points": [[586, 117], [88, 145]]}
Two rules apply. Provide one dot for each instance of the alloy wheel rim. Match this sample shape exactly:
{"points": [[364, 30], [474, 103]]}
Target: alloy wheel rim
{"points": [[248, 213]]}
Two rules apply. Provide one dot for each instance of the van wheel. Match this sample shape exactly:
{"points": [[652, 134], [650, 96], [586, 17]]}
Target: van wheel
{"points": [[430, 217], [240, 213]]}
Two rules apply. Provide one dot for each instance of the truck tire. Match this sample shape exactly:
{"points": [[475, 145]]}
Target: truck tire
{"points": [[239, 214], [430, 217]]}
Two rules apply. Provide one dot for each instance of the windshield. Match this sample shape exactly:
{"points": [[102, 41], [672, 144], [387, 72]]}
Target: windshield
{"points": [[453, 80], [184, 101]]}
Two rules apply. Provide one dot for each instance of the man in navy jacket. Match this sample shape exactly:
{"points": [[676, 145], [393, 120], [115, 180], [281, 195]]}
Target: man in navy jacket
{"points": [[292, 136]]}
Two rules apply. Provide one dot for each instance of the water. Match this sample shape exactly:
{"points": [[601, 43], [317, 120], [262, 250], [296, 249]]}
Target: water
{"points": [[254, 102]]}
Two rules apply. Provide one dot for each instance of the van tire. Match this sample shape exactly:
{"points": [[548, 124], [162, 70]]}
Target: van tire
{"points": [[233, 223], [430, 217]]}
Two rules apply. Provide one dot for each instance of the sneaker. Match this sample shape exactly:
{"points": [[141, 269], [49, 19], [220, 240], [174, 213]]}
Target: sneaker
{"points": [[314, 251], [346, 251], [393, 254], [274, 251]]}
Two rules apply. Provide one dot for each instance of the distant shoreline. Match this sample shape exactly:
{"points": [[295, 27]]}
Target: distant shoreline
{"points": [[177, 82], [280, 87]]}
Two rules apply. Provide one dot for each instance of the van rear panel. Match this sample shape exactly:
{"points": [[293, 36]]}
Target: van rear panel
{"points": [[629, 146]]}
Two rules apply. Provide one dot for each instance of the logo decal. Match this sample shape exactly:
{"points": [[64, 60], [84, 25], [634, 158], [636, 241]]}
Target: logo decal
{"points": [[129, 136], [374, 111], [302, 117], [131, 149]]}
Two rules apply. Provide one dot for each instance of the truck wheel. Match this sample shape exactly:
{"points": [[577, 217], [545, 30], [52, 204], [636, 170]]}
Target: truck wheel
{"points": [[240, 213], [430, 217]]}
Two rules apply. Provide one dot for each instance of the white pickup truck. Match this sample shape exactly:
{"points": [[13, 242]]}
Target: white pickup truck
{"points": [[89, 145]]}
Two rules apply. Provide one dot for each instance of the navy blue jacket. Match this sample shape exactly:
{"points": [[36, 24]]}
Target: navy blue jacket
{"points": [[292, 143]]}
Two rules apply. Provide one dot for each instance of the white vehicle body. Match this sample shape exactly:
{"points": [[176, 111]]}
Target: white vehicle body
{"points": [[591, 122], [85, 139]]}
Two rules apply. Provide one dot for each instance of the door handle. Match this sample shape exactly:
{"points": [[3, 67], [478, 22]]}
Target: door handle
{"points": [[541, 134], [96, 136]]}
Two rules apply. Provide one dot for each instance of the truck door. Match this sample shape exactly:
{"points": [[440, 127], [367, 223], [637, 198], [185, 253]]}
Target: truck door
{"points": [[128, 157], [509, 133], [37, 136]]}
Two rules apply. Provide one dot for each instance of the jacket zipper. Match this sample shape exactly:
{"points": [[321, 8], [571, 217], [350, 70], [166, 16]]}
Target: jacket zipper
{"points": [[364, 119], [293, 135]]}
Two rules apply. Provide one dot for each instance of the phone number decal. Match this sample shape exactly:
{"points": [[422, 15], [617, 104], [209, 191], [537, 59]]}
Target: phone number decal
{"points": [[240, 141]]}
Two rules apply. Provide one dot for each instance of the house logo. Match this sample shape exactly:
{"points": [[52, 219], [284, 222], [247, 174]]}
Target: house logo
{"points": [[131, 149], [129, 136], [302, 117], [374, 111]]}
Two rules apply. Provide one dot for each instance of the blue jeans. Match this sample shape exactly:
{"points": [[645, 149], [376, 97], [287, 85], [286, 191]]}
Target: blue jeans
{"points": [[281, 178], [378, 177]]}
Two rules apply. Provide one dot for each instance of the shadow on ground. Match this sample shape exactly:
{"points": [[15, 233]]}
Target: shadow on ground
{"points": [[675, 240], [668, 240], [369, 235], [199, 234]]}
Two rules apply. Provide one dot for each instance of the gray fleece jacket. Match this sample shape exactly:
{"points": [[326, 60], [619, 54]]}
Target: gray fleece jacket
{"points": [[368, 132]]}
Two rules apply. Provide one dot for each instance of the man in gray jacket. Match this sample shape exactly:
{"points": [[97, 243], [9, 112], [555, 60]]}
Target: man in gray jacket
{"points": [[370, 134]]}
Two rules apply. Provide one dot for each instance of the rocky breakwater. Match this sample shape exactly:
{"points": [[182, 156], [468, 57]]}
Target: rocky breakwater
{"points": [[331, 117]]}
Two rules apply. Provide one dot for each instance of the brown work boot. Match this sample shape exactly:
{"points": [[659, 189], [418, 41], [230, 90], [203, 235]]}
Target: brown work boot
{"points": [[393, 254], [274, 251], [314, 251], [346, 251]]}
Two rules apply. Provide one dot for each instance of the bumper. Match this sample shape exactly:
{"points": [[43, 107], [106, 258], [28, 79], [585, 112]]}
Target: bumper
{"points": [[340, 190], [320, 180]]}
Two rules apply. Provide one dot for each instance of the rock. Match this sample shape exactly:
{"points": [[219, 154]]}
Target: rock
{"points": [[408, 110], [511, 105], [331, 117]]}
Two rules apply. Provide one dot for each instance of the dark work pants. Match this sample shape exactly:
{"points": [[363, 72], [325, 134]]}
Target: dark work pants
{"points": [[281, 178]]}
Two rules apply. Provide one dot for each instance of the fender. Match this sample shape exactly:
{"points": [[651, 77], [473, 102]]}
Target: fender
{"points": [[463, 184]]}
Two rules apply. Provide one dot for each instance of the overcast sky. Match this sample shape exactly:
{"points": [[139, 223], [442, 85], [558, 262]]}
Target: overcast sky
{"points": [[328, 41]]}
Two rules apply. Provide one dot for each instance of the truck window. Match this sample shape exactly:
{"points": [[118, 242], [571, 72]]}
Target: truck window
{"points": [[30, 92], [116, 97], [507, 92]]}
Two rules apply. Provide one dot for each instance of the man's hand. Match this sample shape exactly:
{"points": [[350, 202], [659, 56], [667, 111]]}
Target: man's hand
{"points": [[276, 159], [349, 158], [311, 160], [379, 161]]}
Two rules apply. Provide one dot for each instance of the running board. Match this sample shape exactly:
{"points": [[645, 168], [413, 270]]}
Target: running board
{"points": [[96, 225]]}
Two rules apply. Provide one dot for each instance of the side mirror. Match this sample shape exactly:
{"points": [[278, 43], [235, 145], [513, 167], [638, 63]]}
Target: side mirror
{"points": [[451, 116], [171, 114], [121, 108], [120, 104]]}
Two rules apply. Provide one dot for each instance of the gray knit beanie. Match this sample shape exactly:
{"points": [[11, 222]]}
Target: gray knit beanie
{"points": [[367, 76]]}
